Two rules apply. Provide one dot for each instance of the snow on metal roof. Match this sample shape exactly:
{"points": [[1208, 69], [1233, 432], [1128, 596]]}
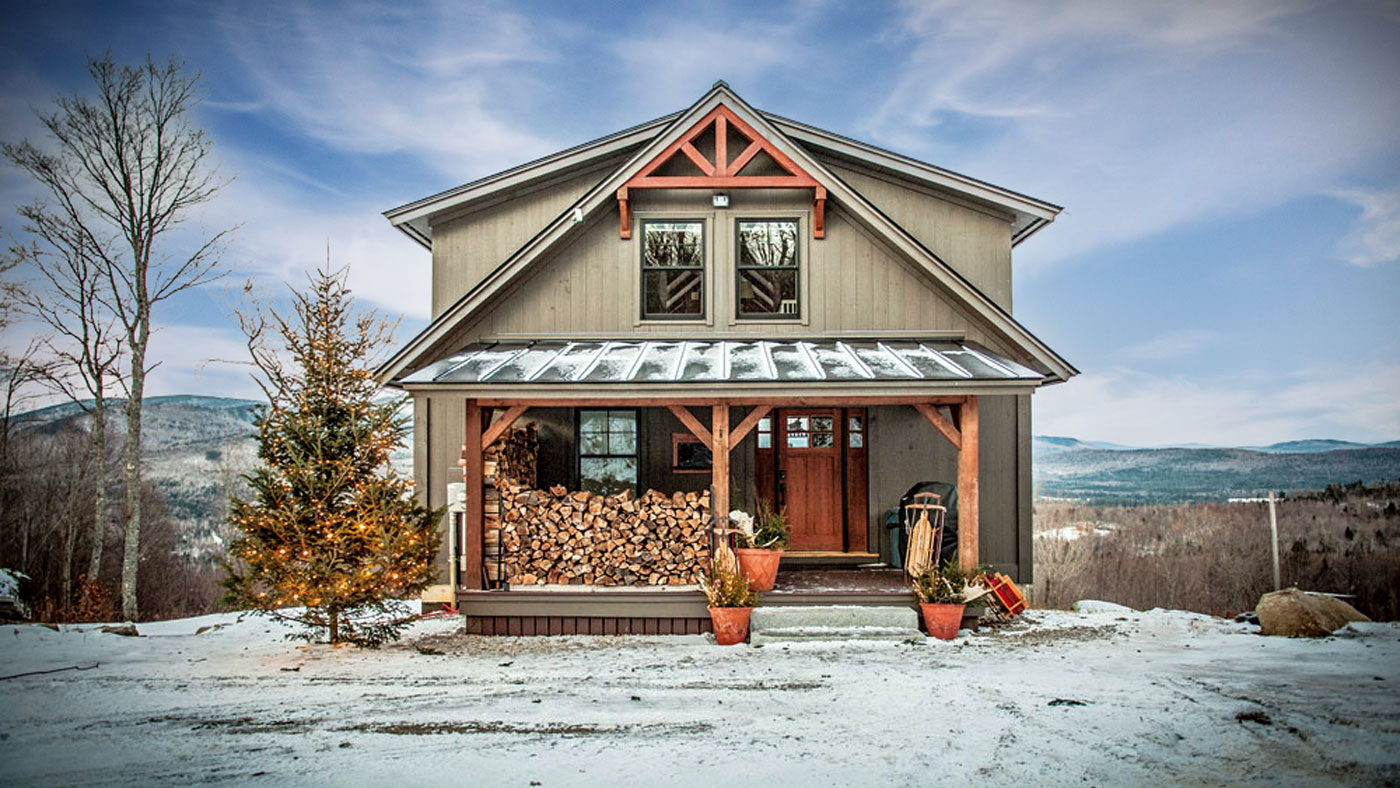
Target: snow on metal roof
{"points": [[721, 361]]}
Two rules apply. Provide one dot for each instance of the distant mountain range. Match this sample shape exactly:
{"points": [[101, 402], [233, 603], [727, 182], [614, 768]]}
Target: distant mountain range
{"points": [[1107, 473], [198, 448]]}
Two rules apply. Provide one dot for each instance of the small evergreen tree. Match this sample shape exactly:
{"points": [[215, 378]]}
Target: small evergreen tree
{"points": [[332, 537]]}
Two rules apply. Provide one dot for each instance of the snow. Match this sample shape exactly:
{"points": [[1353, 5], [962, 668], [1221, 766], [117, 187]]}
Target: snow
{"points": [[1106, 698]]}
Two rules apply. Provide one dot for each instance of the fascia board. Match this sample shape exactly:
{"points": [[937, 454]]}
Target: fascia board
{"points": [[915, 169], [525, 173]]}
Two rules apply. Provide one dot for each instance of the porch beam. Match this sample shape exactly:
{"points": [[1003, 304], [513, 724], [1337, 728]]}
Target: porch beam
{"points": [[746, 426], [475, 517], [930, 412], [681, 402], [691, 423], [496, 430], [719, 450], [968, 500]]}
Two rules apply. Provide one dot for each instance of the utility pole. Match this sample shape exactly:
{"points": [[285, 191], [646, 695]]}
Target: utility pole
{"points": [[1273, 537]]}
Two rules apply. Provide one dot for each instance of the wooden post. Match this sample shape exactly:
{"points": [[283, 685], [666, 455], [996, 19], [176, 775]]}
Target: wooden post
{"points": [[719, 452], [1273, 539], [475, 472], [968, 533]]}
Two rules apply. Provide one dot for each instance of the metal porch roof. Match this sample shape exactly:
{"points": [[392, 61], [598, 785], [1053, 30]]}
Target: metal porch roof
{"points": [[670, 361]]}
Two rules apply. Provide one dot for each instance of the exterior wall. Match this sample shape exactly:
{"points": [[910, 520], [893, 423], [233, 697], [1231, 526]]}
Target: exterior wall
{"points": [[438, 426], [469, 245], [975, 241], [905, 450], [853, 284]]}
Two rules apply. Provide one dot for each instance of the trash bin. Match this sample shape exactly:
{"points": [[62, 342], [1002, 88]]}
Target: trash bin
{"points": [[899, 531]]}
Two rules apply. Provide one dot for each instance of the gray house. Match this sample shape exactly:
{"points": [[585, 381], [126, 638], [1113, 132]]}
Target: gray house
{"points": [[717, 308]]}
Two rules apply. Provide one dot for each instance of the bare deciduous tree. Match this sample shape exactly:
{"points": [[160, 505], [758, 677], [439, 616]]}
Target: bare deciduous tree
{"points": [[125, 169], [84, 342]]}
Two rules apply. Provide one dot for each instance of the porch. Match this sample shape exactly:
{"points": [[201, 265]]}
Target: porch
{"points": [[834, 442]]}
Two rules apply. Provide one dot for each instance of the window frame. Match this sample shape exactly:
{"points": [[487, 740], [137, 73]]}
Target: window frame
{"points": [[800, 253], [635, 456], [681, 438], [704, 268]]}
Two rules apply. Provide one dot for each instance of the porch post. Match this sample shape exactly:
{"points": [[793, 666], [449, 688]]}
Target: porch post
{"points": [[475, 471], [968, 501], [719, 453]]}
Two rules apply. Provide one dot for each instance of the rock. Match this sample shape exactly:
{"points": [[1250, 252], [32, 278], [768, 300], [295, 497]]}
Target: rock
{"points": [[1295, 613], [125, 630]]}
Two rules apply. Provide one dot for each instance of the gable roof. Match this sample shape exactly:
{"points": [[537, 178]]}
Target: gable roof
{"points": [[602, 196]]}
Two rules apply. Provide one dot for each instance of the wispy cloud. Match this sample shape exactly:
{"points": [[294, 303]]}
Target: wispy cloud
{"points": [[1171, 345], [1145, 116], [1130, 406], [1375, 239], [434, 80]]}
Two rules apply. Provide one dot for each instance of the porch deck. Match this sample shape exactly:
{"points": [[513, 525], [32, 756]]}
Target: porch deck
{"points": [[665, 610]]}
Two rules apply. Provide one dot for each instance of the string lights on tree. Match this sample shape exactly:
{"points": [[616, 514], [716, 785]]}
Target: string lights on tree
{"points": [[332, 539]]}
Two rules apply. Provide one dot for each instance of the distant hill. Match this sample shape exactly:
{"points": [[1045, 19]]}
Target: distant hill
{"points": [[1093, 474], [197, 451]]}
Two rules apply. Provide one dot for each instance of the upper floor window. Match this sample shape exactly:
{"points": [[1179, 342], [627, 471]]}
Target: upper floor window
{"points": [[673, 269], [767, 268]]}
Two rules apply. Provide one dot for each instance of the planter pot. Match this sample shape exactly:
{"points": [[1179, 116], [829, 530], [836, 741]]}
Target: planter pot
{"points": [[760, 566], [942, 621], [731, 624]]}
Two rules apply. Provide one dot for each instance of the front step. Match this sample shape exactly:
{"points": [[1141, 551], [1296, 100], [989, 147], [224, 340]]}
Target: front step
{"points": [[832, 622]]}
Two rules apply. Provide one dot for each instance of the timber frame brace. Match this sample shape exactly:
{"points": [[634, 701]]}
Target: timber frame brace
{"points": [[722, 172]]}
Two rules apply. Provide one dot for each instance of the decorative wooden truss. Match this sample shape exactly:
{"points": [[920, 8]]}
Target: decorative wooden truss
{"points": [[722, 172]]}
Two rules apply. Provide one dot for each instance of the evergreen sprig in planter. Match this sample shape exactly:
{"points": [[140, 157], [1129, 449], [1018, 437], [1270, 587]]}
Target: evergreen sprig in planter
{"points": [[731, 602], [761, 542], [941, 599]]}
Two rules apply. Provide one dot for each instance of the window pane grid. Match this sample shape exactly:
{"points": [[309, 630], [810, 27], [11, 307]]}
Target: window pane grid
{"points": [[673, 269], [767, 268], [607, 451]]}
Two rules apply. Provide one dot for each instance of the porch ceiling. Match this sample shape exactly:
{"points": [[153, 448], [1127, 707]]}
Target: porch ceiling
{"points": [[672, 362]]}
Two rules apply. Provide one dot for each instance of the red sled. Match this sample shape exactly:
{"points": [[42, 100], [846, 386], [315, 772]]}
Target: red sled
{"points": [[1006, 595]]}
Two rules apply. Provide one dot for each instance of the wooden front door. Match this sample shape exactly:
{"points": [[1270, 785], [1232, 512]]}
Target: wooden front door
{"points": [[809, 477]]}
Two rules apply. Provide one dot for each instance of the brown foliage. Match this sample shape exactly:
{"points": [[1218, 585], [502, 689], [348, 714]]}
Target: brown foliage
{"points": [[1215, 558]]}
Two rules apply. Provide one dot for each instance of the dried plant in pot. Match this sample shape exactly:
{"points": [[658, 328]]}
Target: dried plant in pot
{"points": [[730, 601], [762, 538], [941, 600]]}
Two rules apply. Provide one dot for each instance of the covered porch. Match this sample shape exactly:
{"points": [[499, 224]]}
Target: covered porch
{"points": [[805, 439]]}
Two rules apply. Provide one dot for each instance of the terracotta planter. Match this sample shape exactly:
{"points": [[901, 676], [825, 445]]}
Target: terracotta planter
{"points": [[731, 624], [942, 621], [760, 566]]}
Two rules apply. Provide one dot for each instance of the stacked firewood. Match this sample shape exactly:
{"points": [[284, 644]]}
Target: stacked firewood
{"points": [[515, 455], [559, 537]]}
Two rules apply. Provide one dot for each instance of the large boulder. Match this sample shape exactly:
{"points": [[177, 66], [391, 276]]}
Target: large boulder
{"points": [[1295, 613]]}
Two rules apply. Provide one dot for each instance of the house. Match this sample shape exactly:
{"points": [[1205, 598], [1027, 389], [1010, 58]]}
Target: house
{"points": [[718, 300]]}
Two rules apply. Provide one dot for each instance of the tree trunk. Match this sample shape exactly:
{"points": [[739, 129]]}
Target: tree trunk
{"points": [[132, 453], [99, 498], [334, 626]]}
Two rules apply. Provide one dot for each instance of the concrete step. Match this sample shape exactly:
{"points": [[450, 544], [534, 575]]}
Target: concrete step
{"points": [[832, 622]]}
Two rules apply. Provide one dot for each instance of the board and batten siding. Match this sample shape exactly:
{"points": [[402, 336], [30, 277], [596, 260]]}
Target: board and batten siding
{"points": [[468, 244], [905, 450], [975, 241], [854, 282], [439, 427]]}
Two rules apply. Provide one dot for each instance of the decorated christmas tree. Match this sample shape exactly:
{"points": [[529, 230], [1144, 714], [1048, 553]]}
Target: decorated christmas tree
{"points": [[332, 539]]}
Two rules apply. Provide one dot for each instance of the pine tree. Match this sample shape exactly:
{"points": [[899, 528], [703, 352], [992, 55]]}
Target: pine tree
{"points": [[332, 537]]}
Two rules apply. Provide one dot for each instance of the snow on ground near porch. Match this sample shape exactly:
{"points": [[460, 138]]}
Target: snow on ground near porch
{"points": [[1103, 698]]}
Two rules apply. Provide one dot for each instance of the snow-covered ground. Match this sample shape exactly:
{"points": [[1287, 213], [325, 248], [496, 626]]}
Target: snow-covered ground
{"points": [[1102, 698]]}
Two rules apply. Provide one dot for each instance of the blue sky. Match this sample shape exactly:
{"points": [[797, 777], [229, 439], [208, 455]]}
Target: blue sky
{"points": [[1226, 270]]}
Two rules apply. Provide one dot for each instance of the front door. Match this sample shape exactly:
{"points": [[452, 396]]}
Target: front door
{"points": [[809, 448]]}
